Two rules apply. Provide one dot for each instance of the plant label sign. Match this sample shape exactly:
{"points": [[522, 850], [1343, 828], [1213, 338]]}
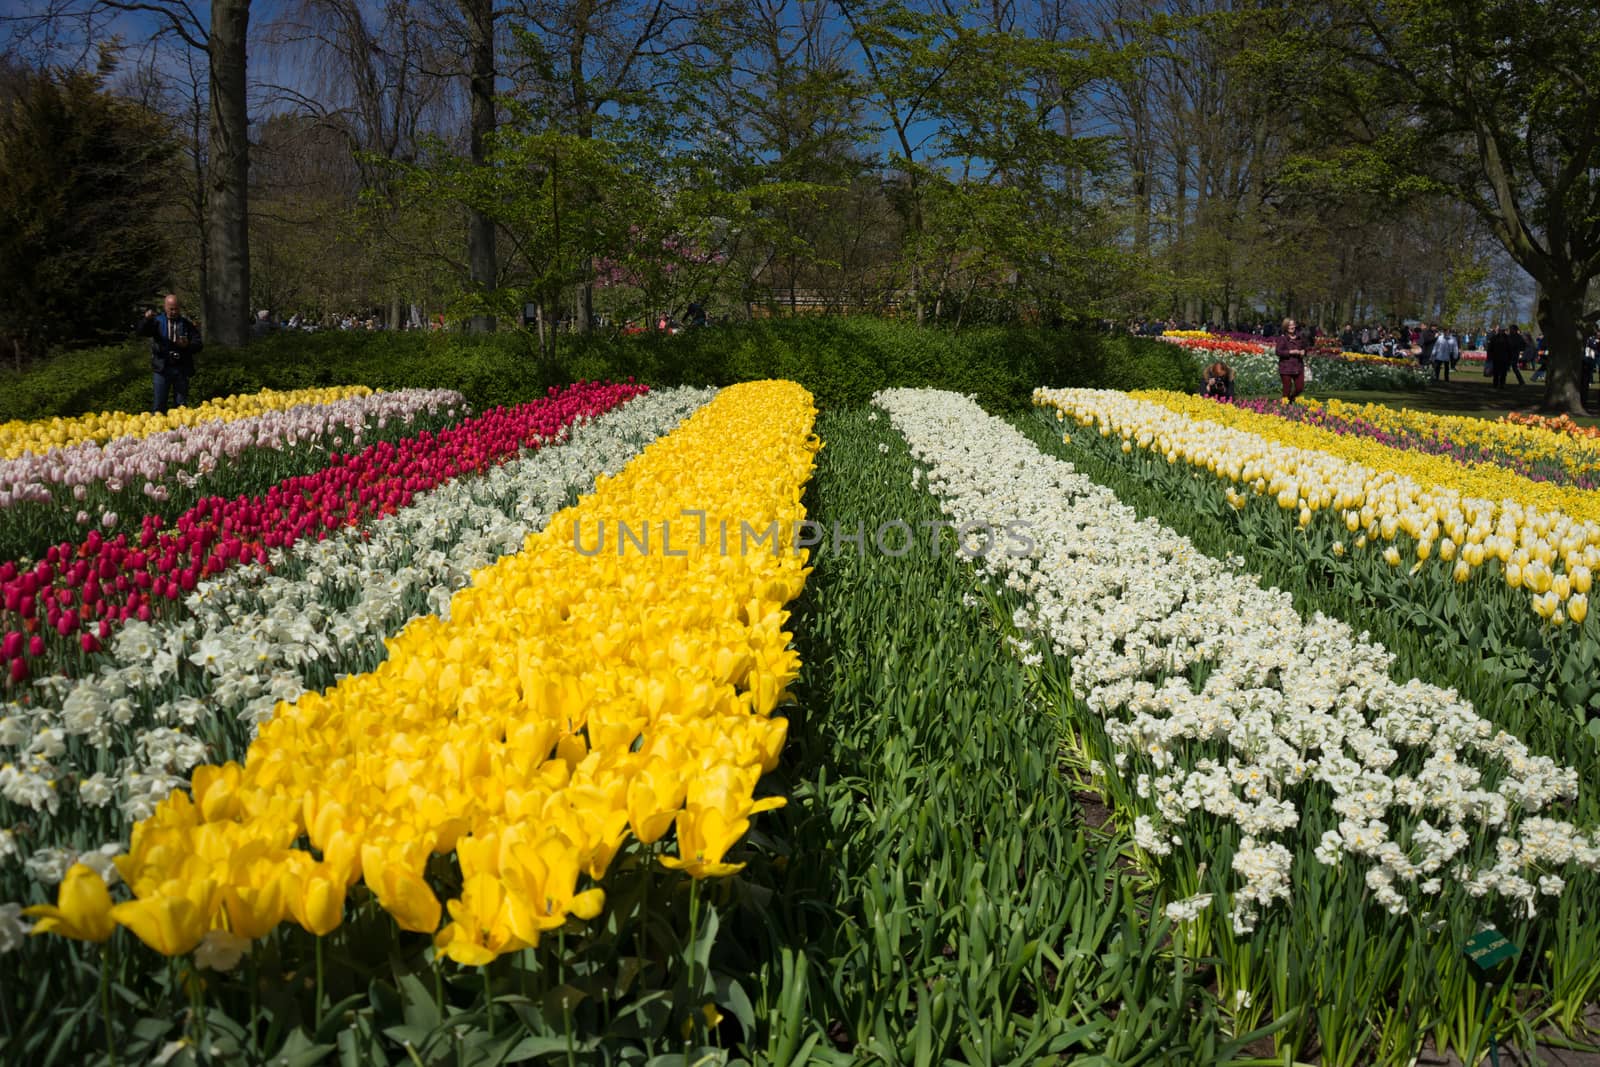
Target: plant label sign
{"points": [[1487, 949]]}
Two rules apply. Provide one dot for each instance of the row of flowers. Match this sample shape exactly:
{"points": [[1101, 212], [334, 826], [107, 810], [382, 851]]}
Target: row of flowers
{"points": [[1561, 424], [55, 496], [190, 452], [61, 608], [89, 757], [18, 437], [1200, 341], [1255, 370], [569, 698], [1222, 706], [1530, 451], [1464, 517]]}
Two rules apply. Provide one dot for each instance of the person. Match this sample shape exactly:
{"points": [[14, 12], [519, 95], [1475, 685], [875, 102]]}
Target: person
{"points": [[1217, 381], [1500, 355], [1444, 351], [1492, 349], [1426, 339], [696, 315], [174, 342], [1515, 347], [1291, 349], [263, 324], [1591, 353]]}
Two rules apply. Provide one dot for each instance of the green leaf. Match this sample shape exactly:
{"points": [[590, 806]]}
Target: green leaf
{"points": [[300, 1050]]}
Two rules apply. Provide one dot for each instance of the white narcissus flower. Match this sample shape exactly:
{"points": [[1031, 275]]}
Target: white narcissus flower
{"points": [[1289, 709], [48, 866], [97, 790], [13, 927], [220, 950], [1188, 909]]}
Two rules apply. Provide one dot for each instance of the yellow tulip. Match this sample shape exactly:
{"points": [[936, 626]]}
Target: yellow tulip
{"points": [[704, 837], [400, 891], [82, 910], [215, 791], [1462, 571], [1578, 608], [654, 797], [480, 929], [314, 895], [172, 925]]}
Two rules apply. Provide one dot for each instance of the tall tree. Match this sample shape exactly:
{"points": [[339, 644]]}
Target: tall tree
{"points": [[1497, 103], [227, 295], [82, 187], [479, 16]]}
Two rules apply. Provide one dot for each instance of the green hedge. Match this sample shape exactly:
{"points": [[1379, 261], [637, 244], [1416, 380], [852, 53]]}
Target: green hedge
{"points": [[842, 360]]}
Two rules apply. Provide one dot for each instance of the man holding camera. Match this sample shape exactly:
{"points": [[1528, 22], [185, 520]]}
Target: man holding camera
{"points": [[174, 340]]}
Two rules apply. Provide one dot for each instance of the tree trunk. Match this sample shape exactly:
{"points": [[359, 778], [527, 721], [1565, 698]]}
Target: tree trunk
{"points": [[1563, 384], [227, 295], [196, 130], [479, 16]]}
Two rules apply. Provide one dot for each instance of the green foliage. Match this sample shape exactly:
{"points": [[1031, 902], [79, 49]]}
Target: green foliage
{"points": [[841, 360], [83, 175]]}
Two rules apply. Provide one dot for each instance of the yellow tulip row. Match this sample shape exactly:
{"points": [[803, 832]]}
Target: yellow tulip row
{"points": [[1530, 442], [574, 695], [1494, 484], [41, 435], [1461, 515]]}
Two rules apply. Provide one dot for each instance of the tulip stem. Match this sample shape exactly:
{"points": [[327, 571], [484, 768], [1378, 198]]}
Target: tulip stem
{"points": [[252, 976], [488, 1000], [105, 1006], [694, 937], [319, 984]]}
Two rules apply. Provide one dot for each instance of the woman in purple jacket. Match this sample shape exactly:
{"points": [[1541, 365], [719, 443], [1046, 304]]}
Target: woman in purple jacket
{"points": [[1291, 347]]}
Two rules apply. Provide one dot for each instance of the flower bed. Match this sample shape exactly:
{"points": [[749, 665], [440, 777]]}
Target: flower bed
{"points": [[179, 691], [41, 435], [566, 701], [1527, 449], [1280, 782], [60, 609], [1255, 367], [51, 496]]}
